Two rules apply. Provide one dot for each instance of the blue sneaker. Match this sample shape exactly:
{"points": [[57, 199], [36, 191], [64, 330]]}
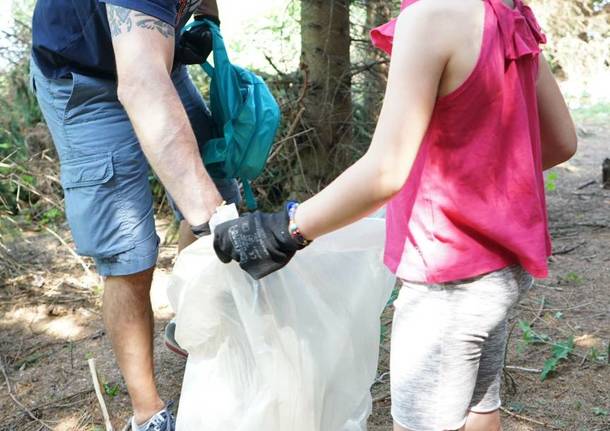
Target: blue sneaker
{"points": [[162, 421]]}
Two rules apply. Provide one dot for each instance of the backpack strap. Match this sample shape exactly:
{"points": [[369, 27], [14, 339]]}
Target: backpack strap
{"points": [[249, 195], [225, 78]]}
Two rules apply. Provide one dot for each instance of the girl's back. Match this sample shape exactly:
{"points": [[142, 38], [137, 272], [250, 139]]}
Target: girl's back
{"points": [[474, 201]]}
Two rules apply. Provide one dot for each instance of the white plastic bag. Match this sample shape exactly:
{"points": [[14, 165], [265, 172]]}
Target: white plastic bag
{"points": [[296, 351]]}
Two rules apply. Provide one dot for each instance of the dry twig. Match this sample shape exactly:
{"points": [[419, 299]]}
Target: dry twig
{"points": [[17, 402], [524, 369], [568, 249], [72, 252], [382, 397], [98, 393], [530, 420]]}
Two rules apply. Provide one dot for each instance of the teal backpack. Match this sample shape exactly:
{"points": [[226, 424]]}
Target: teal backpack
{"points": [[246, 115]]}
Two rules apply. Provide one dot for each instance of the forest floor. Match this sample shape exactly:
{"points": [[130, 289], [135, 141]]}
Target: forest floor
{"points": [[50, 324]]}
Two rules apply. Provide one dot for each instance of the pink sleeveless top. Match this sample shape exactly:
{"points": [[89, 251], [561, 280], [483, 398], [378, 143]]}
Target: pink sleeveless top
{"points": [[474, 201]]}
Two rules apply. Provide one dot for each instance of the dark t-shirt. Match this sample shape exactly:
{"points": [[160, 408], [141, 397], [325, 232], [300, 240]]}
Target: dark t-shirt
{"points": [[74, 35]]}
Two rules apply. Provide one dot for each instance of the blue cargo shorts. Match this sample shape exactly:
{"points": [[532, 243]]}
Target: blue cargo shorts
{"points": [[104, 173]]}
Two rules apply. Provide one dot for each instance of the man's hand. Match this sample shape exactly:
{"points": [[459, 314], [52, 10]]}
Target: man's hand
{"points": [[195, 46], [260, 242]]}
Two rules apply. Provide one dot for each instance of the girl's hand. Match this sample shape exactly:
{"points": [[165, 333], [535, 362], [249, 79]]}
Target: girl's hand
{"points": [[260, 242]]}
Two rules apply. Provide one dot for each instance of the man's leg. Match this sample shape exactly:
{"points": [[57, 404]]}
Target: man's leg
{"points": [[127, 310], [109, 209]]}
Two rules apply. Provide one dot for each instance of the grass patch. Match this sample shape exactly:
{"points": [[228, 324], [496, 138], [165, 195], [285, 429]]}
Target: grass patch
{"points": [[597, 112]]}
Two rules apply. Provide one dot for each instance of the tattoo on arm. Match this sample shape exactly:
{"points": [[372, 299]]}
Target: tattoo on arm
{"points": [[151, 23], [121, 20]]}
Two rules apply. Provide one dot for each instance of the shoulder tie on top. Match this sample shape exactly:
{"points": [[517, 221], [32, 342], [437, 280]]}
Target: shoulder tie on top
{"points": [[520, 31], [519, 28]]}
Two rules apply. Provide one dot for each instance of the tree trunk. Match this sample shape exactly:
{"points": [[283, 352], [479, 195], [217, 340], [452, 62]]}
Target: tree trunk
{"points": [[325, 60], [377, 13]]}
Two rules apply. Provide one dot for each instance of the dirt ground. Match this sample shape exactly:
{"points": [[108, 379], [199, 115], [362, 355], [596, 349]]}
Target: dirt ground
{"points": [[50, 324]]}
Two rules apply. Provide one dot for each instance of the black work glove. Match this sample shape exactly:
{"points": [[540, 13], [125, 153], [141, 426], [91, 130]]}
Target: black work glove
{"points": [[260, 242], [195, 45]]}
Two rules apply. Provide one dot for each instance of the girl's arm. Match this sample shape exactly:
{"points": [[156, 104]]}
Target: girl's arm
{"points": [[263, 243], [557, 130], [418, 60]]}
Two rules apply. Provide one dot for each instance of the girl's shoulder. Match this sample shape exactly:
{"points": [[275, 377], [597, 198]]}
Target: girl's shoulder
{"points": [[455, 22], [442, 8], [444, 20]]}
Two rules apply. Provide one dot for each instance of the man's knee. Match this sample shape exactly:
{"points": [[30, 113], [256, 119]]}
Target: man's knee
{"points": [[137, 283]]}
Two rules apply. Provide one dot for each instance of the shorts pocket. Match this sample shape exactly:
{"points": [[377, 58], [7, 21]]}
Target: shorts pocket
{"points": [[63, 92], [87, 171], [93, 206]]}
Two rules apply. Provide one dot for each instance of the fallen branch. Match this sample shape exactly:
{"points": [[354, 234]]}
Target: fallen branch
{"points": [[530, 420], [57, 404], [72, 252], [381, 398], [61, 403], [568, 249], [17, 402], [37, 193], [539, 313], [524, 369], [98, 393], [574, 307], [272, 64], [576, 225], [587, 184]]}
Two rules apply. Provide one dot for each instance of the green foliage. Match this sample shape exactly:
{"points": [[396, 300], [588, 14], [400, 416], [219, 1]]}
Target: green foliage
{"points": [[551, 182], [51, 216], [560, 352], [600, 411], [111, 390], [596, 112], [530, 336], [571, 278], [517, 407], [27, 159]]}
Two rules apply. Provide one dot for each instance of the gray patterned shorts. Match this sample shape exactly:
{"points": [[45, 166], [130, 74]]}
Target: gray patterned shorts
{"points": [[448, 343]]}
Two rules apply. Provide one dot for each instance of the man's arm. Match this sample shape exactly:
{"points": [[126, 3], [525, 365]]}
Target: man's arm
{"points": [[207, 8], [144, 51]]}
